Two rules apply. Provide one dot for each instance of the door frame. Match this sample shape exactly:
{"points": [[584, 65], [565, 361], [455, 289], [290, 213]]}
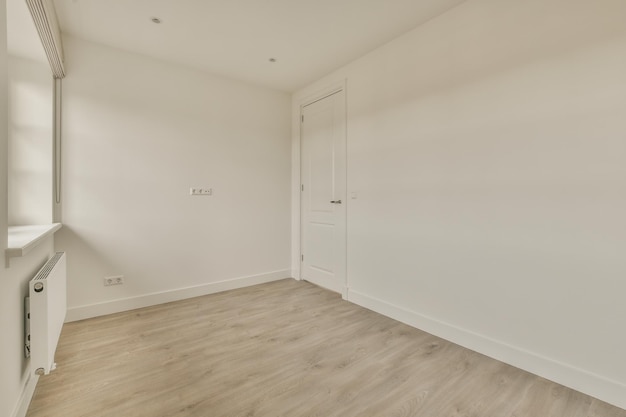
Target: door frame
{"points": [[299, 102]]}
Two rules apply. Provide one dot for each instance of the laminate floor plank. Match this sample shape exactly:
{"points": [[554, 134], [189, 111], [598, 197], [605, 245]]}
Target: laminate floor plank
{"points": [[284, 349]]}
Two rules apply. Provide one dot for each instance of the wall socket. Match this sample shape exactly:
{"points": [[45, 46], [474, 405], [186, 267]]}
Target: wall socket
{"points": [[200, 191], [114, 280]]}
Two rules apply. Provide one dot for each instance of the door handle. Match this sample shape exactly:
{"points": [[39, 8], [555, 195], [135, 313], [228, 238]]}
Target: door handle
{"points": [[335, 201]]}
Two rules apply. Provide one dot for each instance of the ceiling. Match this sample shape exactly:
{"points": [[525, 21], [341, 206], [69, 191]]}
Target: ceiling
{"points": [[22, 38], [237, 38]]}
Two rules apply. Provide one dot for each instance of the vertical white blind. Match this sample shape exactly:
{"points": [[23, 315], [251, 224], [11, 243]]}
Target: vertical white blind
{"points": [[45, 19]]}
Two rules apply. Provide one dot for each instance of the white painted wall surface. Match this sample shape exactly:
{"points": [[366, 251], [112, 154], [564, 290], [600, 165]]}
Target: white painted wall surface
{"points": [[487, 152], [14, 381], [30, 141], [137, 134]]}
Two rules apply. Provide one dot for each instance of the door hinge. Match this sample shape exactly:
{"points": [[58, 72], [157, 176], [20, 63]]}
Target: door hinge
{"points": [[302, 118], [302, 258], [302, 187]]}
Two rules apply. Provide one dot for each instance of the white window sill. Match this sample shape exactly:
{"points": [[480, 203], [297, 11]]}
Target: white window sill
{"points": [[22, 239]]}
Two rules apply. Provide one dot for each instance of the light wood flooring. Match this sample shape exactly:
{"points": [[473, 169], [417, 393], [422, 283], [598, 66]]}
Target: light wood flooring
{"points": [[283, 349]]}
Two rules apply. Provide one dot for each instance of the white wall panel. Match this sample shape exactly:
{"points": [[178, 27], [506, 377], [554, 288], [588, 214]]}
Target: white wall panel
{"points": [[486, 149], [138, 133], [30, 142]]}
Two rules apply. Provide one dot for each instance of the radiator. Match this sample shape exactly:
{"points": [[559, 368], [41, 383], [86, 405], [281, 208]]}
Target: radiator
{"points": [[45, 313]]}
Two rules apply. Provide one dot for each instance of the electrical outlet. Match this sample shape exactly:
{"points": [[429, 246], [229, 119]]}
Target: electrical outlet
{"points": [[201, 191], [114, 280]]}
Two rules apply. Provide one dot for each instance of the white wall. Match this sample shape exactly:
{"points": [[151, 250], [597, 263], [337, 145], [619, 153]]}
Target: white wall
{"points": [[30, 142], [487, 149], [14, 382], [137, 134]]}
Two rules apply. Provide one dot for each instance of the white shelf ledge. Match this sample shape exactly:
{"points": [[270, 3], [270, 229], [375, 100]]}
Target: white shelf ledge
{"points": [[22, 239]]}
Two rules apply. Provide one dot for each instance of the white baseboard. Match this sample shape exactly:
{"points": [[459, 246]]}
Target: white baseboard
{"points": [[131, 303], [610, 391], [27, 395]]}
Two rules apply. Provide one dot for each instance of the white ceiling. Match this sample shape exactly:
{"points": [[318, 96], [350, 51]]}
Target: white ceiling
{"points": [[236, 38], [22, 37]]}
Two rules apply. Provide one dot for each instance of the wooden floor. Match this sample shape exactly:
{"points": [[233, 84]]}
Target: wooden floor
{"points": [[286, 349]]}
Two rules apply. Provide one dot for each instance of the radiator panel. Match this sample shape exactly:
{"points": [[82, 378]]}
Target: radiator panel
{"points": [[47, 309]]}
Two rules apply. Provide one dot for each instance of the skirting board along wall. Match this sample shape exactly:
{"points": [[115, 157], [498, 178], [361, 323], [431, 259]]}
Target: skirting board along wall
{"points": [[131, 303], [27, 395], [602, 388]]}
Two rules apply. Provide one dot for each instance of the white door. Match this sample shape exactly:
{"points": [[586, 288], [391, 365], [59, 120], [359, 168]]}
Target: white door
{"points": [[323, 192]]}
